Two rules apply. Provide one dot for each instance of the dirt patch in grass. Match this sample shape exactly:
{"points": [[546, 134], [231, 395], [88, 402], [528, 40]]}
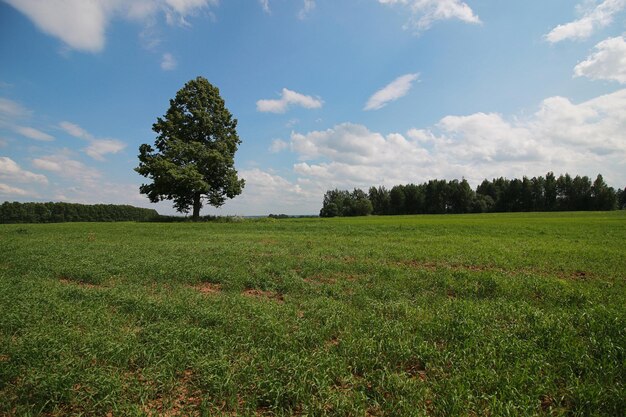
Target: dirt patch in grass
{"points": [[333, 341], [415, 369], [264, 295], [268, 242], [321, 279], [576, 275], [374, 411], [546, 402], [69, 281], [208, 288], [182, 401]]}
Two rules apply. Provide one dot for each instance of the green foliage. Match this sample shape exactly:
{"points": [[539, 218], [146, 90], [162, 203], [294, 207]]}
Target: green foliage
{"points": [[69, 212], [491, 314], [343, 203], [194, 155], [499, 195]]}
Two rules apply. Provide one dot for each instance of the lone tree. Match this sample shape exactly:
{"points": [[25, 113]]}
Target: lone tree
{"points": [[195, 151]]}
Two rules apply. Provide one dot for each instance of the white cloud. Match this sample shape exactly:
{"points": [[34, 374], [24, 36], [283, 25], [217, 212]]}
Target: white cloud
{"points": [[9, 108], [586, 138], [75, 130], [11, 171], [267, 192], [608, 62], [168, 62], [278, 145], [81, 24], [307, 7], [68, 168], [100, 147], [186, 7], [9, 191], [288, 98], [426, 12], [11, 112], [265, 4], [32, 133], [592, 19], [351, 155], [97, 148], [391, 92], [79, 183]]}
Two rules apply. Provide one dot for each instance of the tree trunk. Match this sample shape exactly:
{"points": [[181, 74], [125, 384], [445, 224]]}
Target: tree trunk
{"points": [[196, 206]]}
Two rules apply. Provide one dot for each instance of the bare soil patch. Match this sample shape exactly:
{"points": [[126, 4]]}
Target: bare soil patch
{"points": [[333, 341], [182, 401], [208, 288], [415, 369], [68, 281]]}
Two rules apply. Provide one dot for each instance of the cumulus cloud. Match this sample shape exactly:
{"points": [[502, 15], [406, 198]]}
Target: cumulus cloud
{"points": [[168, 62], [391, 92], [11, 171], [97, 148], [608, 62], [82, 24], [79, 183], [264, 189], [425, 12], [592, 19], [9, 191], [287, 99], [278, 145], [351, 155], [307, 7]]}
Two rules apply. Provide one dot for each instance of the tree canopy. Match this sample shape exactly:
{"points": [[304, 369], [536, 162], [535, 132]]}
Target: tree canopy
{"points": [[565, 193], [14, 212], [193, 158]]}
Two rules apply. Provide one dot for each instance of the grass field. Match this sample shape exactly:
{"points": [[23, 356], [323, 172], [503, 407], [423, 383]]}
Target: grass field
{"points": [[469, 315]]}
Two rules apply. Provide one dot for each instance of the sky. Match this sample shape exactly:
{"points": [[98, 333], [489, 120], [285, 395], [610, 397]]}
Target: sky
{"points": [[328, 93]]}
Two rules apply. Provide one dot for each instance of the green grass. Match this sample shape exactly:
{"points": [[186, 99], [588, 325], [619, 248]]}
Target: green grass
{"points": [[499, 315]]}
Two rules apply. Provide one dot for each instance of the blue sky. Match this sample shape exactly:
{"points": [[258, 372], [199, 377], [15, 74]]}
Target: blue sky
{"points": [[328, 93]]}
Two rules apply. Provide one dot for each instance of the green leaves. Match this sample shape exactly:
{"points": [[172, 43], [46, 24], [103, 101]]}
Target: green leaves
{"points": [[195, 151]]}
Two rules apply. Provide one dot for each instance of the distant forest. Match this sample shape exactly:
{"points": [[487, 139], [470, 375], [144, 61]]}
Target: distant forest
{"points": [[68, 212], [548, 193]]}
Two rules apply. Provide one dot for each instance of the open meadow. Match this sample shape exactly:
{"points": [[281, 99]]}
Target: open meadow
{"points": [[450, 315]]}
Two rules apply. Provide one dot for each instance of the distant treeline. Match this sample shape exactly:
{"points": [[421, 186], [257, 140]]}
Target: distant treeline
{"points": [[68, 212], [498, 195], [287, 216]]}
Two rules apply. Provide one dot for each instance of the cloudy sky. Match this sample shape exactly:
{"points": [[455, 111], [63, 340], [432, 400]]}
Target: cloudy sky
{"points": [[328, 93]]}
